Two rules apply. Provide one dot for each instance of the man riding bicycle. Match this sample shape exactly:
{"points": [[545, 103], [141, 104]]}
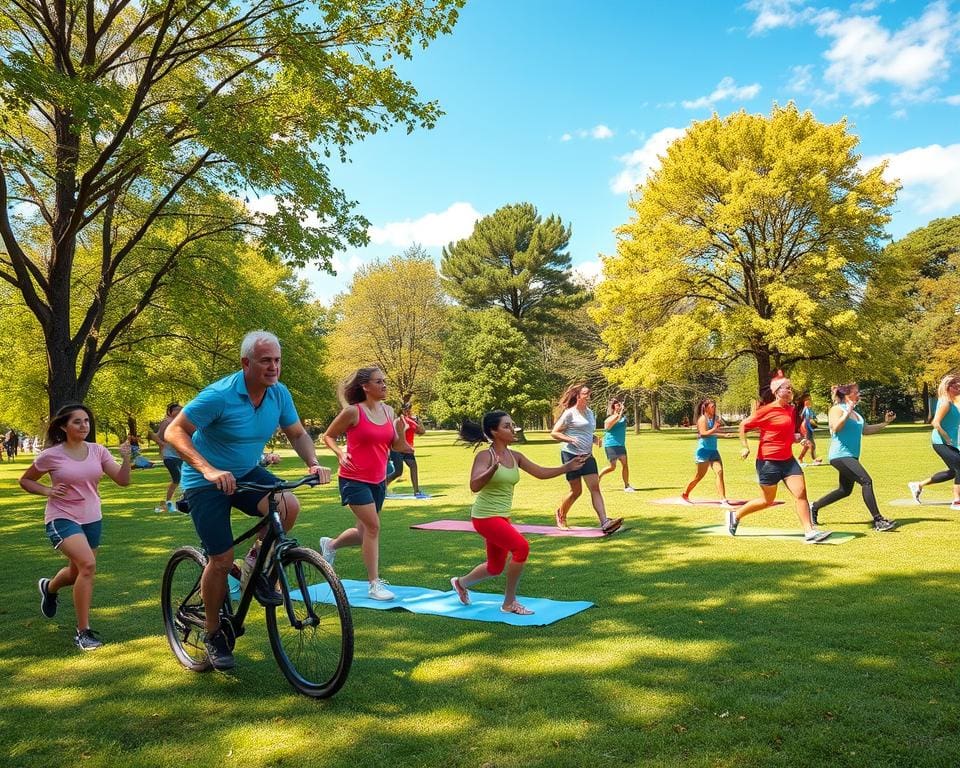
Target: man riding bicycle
{"points": [[220, 435]]}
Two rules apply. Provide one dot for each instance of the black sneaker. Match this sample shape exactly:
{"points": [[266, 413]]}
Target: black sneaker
{"points": [[882, 524], [87, 640], [48, 600], [264, 593], [218, 650]]}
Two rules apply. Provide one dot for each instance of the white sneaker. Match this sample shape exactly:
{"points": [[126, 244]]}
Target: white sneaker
{"points": [[955, 506], [171, 507], [327, 552], [629, 489], [915, 491], [816, 536], [378, 591]]}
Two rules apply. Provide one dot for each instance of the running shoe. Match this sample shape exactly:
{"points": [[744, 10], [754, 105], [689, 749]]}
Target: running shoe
{"points": [[378, 591], [915, 490], [815, 536], [87, 640], [686, 498], [732, 522], [882, 524], [421, 495], [629, 489], [218, 648], [327, 552], [462, 594], [48, 599], [171, 507], [955, 506]]}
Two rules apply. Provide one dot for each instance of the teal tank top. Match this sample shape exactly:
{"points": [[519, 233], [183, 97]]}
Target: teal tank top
{"points": [[708, 443], [617, 434], [845, 444], [495, 499], [950, 424]]}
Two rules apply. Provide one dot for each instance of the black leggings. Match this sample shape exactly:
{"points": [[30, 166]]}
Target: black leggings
{"points": [[851, 472], [951, 457]]}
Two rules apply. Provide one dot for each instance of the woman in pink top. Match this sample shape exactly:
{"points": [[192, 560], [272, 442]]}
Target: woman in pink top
{"points": [[75, 464], [368, 423]]}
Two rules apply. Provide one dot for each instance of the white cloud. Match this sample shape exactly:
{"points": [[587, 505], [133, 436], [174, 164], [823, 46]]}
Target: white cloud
{"points": [[566, 137], [432, 229], [800, 78], [587, 273], [930, 176], [639, 163], [953, 100], [726, 90], [599, 132], [772, 14]]}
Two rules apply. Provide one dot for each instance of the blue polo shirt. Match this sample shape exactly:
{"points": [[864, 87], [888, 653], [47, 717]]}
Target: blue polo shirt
{"points": [[230, 432]]}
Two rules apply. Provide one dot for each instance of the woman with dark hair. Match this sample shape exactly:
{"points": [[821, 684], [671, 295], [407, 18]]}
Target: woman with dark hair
{"points": [[615, 442], [368, 423], [494, 474], [945, 439], [576, 427], [73, 518], [847, 429], [779, 425], [409, 426], [709, 426], [809, 417]]}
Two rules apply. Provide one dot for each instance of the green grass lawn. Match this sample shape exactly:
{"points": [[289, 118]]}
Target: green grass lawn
{"points": [[701, 650]]}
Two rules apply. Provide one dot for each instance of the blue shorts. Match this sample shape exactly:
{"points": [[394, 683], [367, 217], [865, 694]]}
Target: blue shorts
{"points": [[399, 459], [771, 472], [707, 454], [173, 467], [358, 493], [210, 510], [60, 528], [589, 467], [614, 452]]}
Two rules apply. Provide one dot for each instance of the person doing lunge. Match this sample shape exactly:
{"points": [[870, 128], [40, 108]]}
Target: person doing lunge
{"points": [[707, 456], [945, 439], [494, 474], [615, 442], [847, 429]]}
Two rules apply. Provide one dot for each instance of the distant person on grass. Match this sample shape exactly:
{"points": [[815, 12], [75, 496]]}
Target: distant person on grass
{"points": [[945, 439], [779, 424], [220, 435], [847, 428], [615, 442], [575, 428], [171, 459], [409, 426], [809, 417], [73, 517], [707, 456], [494, 474]]}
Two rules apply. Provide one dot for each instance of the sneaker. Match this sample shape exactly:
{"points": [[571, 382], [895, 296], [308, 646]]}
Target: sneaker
{"points": [[882, 524], [171, 507], [915, 491], [462, 594], [87, 640], [732, 522], [629, 489], [378, 591], [955, 506], [48, 600], [813, 514], [265, 593], [218, 650], [421, 495], [815, 536], [327, 552], [686, 498]]}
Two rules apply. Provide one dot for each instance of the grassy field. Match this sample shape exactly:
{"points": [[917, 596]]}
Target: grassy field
{"points": [[701, 651]]}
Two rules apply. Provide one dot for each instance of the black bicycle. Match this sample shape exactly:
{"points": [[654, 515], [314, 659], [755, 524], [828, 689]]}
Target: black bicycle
{"points": [[309, 622]]}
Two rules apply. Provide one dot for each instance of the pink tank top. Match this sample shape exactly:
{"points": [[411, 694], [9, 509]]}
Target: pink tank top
{"points": [[369, 446]]}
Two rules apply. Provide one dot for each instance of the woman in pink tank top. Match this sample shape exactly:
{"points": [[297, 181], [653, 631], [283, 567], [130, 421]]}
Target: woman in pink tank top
{"points": [[368, 423]]}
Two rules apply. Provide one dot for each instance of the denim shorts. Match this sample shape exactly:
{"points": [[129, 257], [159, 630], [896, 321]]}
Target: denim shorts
{"points": [[210, 510], [589, 467], [614, 451], [173, 467], [771, 472], [61, 527], [358, 493]]}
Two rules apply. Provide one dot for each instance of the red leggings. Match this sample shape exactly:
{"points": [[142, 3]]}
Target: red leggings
{"points": [[501, 538]]}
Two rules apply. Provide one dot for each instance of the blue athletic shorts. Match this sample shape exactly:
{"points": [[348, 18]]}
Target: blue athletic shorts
{"points": [[359, 493], [614, 451], [770, 472], [61, 527], [706, 454]]}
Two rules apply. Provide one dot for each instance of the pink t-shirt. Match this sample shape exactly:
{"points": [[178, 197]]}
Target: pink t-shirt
{"points": [[82, 502]]}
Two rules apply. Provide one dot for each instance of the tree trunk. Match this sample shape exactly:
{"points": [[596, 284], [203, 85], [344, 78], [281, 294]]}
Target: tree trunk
{"points": [[925, 410], [763, 366], [636, 417], [655, 410]]}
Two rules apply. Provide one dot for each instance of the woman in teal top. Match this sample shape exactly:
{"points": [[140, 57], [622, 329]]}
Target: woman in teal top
{"points": [[847, 429], [495, 473], [615, 442], [709, 426], [945, 439]]}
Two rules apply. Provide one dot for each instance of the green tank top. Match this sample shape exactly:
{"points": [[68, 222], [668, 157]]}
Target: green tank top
{"points": [[495, 499]]}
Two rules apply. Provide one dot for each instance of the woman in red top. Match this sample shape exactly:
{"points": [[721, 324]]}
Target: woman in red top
{"points": [[368, 423], [779, 427]]}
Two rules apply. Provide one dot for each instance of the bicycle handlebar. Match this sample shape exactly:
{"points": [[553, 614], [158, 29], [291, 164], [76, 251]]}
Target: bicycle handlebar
{"points": [[280, 485]]}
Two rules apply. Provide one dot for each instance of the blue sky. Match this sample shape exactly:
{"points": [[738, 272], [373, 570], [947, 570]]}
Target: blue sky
{"points": [[567, 105]]}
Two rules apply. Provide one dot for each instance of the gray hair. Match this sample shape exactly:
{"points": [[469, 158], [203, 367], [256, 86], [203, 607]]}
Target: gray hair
{"points": [[253, 338]]}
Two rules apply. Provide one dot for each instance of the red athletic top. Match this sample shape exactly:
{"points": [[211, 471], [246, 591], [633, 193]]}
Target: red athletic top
{"points": [[776, 425], [368, 445], [410, 429]]}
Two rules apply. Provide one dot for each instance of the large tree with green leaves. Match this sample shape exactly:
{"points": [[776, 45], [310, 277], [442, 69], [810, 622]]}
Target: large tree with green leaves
{"points": [[515, 260], [129, 129], [757, 236]]}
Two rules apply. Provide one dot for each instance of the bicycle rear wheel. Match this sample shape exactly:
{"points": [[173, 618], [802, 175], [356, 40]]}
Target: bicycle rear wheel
{"points": [[183, 614], [315, 650]]}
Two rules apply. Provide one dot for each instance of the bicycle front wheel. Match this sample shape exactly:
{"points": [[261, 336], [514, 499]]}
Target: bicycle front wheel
{"points": [[183, 614], [312, 633]]}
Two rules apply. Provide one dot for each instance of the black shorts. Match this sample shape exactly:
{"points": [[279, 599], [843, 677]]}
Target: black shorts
{"points": [[589, 467], [771, 472], [359, 493], [406, 458], [173, 466]]}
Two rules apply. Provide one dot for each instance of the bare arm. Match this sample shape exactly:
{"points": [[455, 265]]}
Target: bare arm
{"points": [[485, 465], [28, 481], [180, 435], [559, 432], [348, 417], [837, 418], [872, 429], [399, 444], [120, 473], [942, 409], [545, 473], [300, 440]]}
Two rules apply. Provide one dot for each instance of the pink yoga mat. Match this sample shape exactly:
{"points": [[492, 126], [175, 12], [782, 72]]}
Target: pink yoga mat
{"points": [[677, 501], [544, 530]]}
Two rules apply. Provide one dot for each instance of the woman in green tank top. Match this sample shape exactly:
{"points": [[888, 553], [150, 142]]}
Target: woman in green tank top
{"points": [[494, 474]]}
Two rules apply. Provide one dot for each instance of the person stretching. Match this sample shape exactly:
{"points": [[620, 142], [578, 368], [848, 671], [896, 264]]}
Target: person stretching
{"points": [[494, 474], [707, 456], [945, 438], [615, 442], [847, 429], [809, 417]]}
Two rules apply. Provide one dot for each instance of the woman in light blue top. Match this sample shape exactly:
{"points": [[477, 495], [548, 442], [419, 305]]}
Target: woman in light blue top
{"points": [[575, 428], [945, 438], [847, 429], [615, 442], [709, 426]]}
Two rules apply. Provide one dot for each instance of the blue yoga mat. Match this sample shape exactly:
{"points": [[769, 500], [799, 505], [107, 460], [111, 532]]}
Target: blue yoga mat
{"points": [[483, 606]]}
